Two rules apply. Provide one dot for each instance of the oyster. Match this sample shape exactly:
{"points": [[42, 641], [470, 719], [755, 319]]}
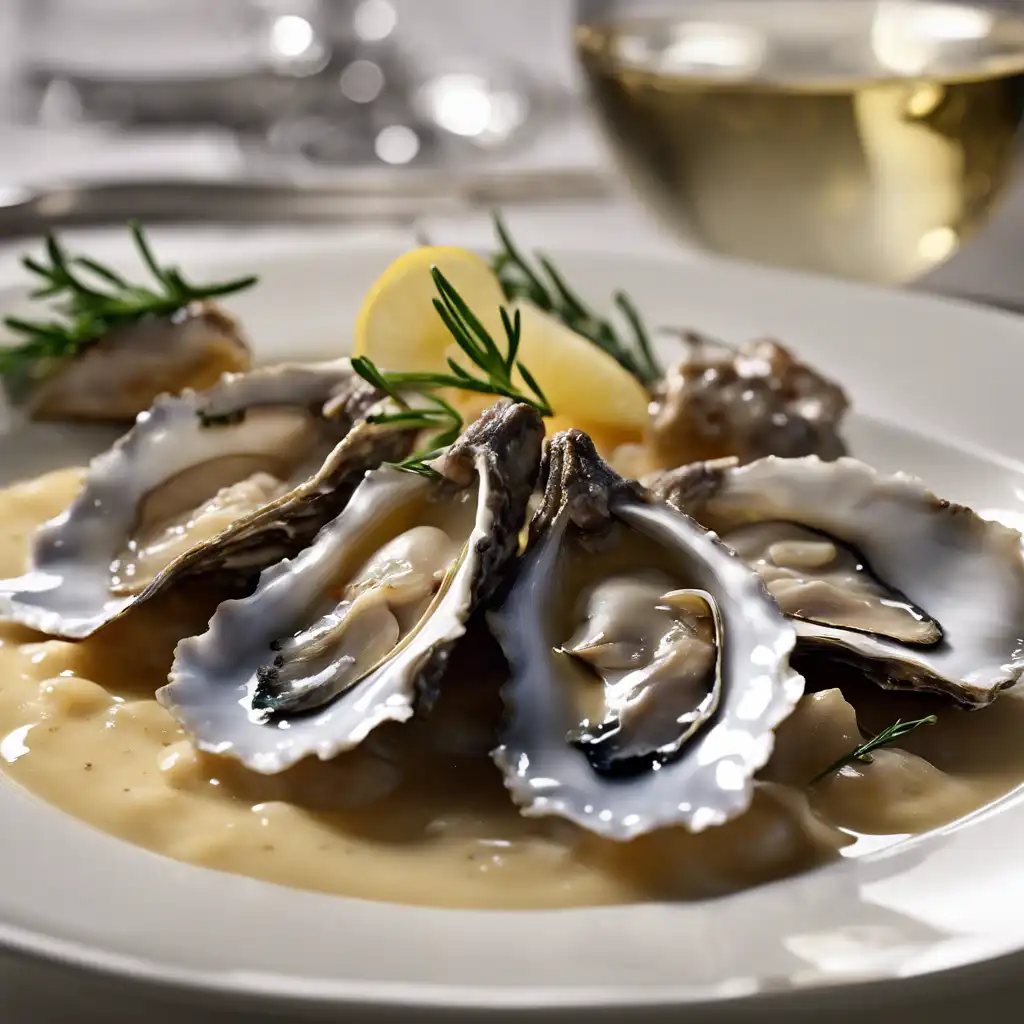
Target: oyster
{"points": [[122, 374], [749, 402], [876, 570], [231, 479], [648, 664], [656, 652], [356, 630]]}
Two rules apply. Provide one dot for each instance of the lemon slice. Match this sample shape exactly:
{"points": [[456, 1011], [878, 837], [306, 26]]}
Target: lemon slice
{"points": [[584, 385], [398, 327]]}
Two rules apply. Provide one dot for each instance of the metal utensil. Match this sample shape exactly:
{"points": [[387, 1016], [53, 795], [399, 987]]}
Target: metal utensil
{"points": [[403, 200]]}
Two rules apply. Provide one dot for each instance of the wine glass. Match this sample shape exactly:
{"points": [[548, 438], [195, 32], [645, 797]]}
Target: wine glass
{"points": [[864, 138]]}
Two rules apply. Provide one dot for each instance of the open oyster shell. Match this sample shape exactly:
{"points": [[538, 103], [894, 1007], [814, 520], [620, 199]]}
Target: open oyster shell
{"points": [[679, 761], [123, 373], [356, 630], [917, 592], [230, 479]]}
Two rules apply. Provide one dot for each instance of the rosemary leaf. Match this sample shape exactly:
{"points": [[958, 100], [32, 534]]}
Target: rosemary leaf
{"points": [[532, 384], [223, 419], [101, 271], [469, 324], [886, 737], [640, 332], [513, 329], [91, 300], [511, 257], [439, 416], [571, 302], [519, 280], [146, 252]]}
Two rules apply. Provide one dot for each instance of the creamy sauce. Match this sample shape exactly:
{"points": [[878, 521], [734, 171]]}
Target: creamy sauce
{"points": [[419, 814]]}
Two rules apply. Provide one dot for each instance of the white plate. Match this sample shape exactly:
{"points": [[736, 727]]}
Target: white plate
{"points": [[937, 387]]}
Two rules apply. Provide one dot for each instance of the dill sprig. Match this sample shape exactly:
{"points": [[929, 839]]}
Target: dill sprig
{"points": [[438, 415], [519, 280], [92, 299], [887, 736]]}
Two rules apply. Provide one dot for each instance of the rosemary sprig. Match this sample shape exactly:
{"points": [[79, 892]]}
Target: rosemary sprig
{"points": [[222, 419], [476, 342], [483, 352], [440, 416], [92, 299], [519, 280], [886, 737]]}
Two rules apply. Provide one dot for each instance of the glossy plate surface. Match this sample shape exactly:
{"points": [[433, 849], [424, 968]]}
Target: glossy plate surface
{"points": [[937, 389]]}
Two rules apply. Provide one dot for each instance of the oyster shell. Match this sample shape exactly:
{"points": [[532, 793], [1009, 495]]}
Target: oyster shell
{"points": [[749, 402], [356, 630], [876, 570], [692, 651], [122, 374], [231, 479]]}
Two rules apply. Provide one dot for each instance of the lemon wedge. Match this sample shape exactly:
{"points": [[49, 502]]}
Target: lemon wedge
{"points": [[398, 327], [584, 385]]}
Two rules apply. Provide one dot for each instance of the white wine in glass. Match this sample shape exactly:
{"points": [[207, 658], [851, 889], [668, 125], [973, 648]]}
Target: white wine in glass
{"points": [[865, 139]]}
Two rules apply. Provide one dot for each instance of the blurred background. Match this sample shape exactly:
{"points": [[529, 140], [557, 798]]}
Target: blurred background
{"points": [[396, 111], [292, 87]]}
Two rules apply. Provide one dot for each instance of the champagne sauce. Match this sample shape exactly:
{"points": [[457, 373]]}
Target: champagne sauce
{"points": [[419, 814], [859, 138]]}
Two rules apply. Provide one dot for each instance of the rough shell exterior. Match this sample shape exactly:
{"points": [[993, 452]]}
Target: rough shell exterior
{"points": [[211, 681], [66, 590], [711, 780], [966, 572]]}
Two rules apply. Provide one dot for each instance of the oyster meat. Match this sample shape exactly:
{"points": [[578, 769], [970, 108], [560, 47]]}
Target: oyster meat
{"points": [[648, 666], [230, 479], [749, 402], [356, 630], [656, 652], [876, 570], [122, 374]]}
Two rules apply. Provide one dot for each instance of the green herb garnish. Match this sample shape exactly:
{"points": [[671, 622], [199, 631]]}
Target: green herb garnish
{"points": [[92, 300], [222, 419], [887, 736], [438, 415], [520, 281]]}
